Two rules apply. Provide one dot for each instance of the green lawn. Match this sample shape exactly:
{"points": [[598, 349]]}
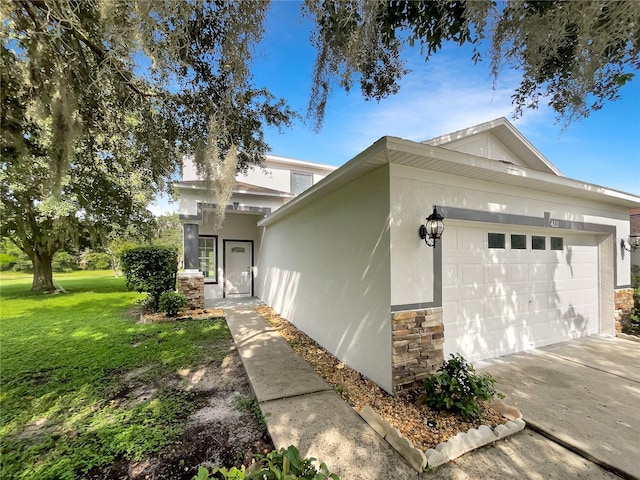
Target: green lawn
{"points": [[64, 406]]}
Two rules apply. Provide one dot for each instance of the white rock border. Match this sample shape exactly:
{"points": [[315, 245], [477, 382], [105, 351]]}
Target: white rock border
{"points": [[454, 447], [633, 338]]}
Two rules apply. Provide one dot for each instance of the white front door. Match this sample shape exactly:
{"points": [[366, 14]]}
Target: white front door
{"points": [[238, 273]]}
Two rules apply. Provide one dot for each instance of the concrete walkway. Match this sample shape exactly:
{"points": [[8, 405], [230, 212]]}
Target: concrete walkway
{"points": [[301, 409], [584, 394]]}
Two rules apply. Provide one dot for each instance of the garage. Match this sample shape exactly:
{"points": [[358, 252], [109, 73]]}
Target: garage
{"points": [[507, 288]]}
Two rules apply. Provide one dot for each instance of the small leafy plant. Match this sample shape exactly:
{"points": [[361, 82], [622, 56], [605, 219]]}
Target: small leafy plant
{"points": [[251, 405], [172, 302], [282, 464], [456, 387]]}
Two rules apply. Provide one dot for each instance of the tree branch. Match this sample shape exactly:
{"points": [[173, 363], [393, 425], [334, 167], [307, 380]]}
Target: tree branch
{"points": [[101, 53]]}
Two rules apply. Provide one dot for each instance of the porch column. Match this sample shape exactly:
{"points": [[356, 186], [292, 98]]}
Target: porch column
{"points": [[190, 242]]}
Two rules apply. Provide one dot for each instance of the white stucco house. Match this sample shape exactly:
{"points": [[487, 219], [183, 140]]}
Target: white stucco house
{"points": [[528, 257]]}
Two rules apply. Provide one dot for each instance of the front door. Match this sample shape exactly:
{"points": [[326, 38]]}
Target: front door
{"points": [[238, 274]]}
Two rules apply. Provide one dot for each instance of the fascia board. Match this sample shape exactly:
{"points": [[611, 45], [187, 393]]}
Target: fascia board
{"points": [[300, 163], [512, 174], [178, 186], [494, 126]]}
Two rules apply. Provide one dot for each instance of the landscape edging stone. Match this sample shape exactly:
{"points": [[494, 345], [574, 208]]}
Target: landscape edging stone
{"points": [[461, 443]]}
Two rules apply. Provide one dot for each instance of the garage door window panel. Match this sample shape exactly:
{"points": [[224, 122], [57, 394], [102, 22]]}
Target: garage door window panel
{"points": [[518, 242], [496, 240], [557, 243], [538, 242]]}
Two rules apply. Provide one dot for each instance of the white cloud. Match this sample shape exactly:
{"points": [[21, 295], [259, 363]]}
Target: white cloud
{"points": [[163, 205], [435, 98]]}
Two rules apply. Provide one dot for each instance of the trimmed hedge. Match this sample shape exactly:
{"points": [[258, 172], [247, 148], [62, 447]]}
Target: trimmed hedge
{"points": [[152, 270]]}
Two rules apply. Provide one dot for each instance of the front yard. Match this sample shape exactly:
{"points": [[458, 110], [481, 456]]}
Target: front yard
{"points": [[89, 392]]}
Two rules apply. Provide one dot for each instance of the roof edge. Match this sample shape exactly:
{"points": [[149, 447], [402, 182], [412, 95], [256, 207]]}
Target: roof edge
{"points": [[487, 127], [324, 185]]}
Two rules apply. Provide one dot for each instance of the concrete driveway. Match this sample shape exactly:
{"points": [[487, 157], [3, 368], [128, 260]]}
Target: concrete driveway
{"points": [[584, 394]]}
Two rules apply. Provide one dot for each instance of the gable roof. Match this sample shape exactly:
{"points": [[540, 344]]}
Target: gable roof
{"points": [[393, 150], [496, 140]]}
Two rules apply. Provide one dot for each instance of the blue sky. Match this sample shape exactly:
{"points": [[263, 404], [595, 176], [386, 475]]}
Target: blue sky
{"points": [[444, 95]]}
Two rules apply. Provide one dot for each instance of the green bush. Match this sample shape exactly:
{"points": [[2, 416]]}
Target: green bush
{"points": [[96, 261], [150, 269], [631, 323], [457, 388], [63, 262], [283, 464], [7, 261], [171, 303], [23, 264]]}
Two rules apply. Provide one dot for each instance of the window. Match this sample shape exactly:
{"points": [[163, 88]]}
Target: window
{"points": [[538, 242], [496, 240], [518, 242], [557, 243], [300, 182], [208, 258]]}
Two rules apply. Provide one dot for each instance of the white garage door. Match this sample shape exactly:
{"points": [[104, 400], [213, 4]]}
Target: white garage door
{"points": [[510, 289]]}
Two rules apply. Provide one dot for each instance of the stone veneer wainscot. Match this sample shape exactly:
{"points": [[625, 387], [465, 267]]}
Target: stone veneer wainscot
{"points": [[417, 340], [623, 305], [191, 285]]}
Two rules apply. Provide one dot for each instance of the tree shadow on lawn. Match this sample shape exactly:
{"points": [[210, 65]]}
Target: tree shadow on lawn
{"points": [[67, 400]]}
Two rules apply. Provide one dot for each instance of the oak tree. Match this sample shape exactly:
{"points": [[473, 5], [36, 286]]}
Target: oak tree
{"points": [[101, 98], [573, 55]]}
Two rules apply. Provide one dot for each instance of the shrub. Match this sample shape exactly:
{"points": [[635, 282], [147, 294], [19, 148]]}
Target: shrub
{"points": [[96, 261], [171, 303], [7, 261], [23, 264], [457, 388], [63, 262], [631, 323], [278, 464], [150, 269]]}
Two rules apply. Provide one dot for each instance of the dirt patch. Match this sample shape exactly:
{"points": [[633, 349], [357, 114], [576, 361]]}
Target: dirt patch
{"points": [[417, 422], [193, 314], [225, 431]]}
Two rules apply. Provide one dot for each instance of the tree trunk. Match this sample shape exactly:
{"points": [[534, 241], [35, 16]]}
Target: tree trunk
{"points": [[42, 272]]}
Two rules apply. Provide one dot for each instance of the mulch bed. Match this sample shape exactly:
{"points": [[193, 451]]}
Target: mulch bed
{"points": [[417, 422]]}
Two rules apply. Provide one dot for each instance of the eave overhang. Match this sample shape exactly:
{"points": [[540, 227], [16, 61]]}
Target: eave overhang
{"points": [[397, 151]]}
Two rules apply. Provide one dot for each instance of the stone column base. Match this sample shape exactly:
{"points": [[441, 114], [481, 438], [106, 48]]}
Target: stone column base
{"points": [[191, 285], [417, 340]]}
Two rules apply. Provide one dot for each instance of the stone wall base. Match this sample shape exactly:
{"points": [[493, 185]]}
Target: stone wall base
{"points": [[623, 305], [417, 340], [191, 285]]}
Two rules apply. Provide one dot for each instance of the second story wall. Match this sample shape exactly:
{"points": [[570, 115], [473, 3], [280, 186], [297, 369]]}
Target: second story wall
{"points": [[279, 173], [286, 175]]}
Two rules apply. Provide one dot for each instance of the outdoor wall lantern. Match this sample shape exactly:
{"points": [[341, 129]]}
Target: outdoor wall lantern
{"points": [[433, 229], [634, 242]]}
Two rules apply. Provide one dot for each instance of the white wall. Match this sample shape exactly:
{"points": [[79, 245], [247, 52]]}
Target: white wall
{"points": [[277, 175], [414, 192], [326, 269], [485, 145]]}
